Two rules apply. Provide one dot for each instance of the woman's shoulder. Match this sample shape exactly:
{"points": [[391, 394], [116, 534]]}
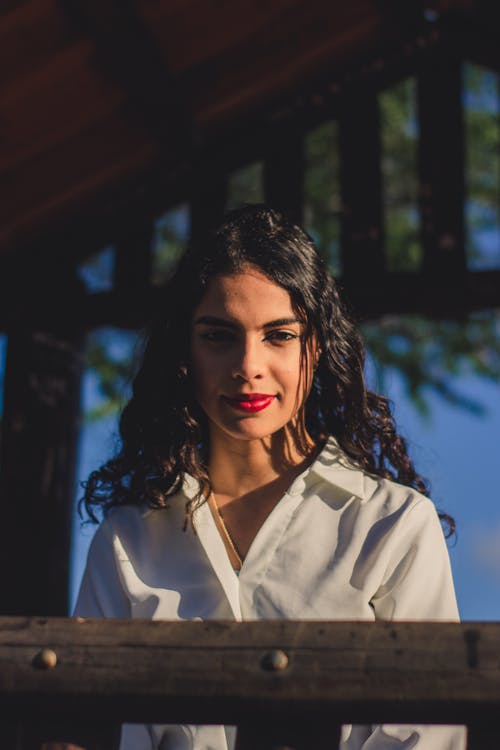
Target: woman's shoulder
{"points": [[336, 474], [129, 522]]}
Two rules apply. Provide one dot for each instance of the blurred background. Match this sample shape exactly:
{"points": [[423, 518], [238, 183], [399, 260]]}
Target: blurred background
{"points": [[128, 127]]}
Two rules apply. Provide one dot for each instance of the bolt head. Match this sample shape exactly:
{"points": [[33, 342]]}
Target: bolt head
{"points": [[275, 661], [45, 659]]}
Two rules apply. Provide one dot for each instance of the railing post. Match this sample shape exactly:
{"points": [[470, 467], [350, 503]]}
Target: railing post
{"points": [[40, 735], [482, 737], [288, 735]]}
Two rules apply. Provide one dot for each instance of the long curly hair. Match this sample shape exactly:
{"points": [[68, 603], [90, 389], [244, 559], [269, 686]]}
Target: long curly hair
{"points": [[163, 431]]}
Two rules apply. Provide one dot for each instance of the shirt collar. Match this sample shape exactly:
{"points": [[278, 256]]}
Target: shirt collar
{"points": [[332, 466]]}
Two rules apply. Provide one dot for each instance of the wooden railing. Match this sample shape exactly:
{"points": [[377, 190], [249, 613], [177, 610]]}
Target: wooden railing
{"points": [[284, 683]]}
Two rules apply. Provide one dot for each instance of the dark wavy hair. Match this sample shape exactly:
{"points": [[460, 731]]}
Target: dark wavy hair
{"points": [[164, 433]]}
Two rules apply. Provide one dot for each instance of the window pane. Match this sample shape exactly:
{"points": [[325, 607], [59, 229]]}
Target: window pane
{"points": [[322, 192], [399, 143], [482, 138], [110, 357], [170, 239], [97, 271], [246, 185]]}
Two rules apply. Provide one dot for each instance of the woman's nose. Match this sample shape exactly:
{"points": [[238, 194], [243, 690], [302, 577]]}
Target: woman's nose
{"points": [[249, 362]]}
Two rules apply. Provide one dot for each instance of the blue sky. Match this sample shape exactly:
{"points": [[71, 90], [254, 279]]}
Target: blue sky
{"points": [[459, 453]]}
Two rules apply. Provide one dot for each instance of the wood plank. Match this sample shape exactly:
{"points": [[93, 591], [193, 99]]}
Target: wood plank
{"points": [[288, 56], [68, 96], [218, 672], [96, 162], [196, 31], [31, 33]]}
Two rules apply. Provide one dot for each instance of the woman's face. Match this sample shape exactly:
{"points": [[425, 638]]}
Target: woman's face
{"points": [[246, 356]]}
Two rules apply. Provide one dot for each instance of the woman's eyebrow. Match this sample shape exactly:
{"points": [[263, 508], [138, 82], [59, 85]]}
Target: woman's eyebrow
{"points": [[281, 322], [211, 320]]}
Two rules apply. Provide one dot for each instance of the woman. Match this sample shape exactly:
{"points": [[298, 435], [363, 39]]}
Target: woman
{"points": [[258, 477]]}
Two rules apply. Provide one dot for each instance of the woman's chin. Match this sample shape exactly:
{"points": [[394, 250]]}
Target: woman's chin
{"points": [[248, 430]]}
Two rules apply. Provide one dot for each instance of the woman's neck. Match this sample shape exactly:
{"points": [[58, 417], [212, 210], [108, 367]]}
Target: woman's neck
{"points": [[240, 467]]}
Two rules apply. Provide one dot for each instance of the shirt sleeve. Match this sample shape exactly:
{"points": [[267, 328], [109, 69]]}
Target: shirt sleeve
{"points": [[101, 595], [418, 585]]}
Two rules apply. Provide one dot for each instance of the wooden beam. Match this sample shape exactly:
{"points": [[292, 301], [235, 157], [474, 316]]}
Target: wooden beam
{"points": [[225, 672], [303, 40], [129, 55], [404, 293], [141, 181], [362, 231], [476, 34], [88, 169], [395, 293], [407, 19]]}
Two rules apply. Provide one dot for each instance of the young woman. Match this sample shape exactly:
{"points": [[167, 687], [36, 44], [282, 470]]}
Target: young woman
{"points": [[258, 477]]}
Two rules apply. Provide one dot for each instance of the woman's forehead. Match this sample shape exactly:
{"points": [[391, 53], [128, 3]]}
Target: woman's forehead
{"points": [[248, 292]]}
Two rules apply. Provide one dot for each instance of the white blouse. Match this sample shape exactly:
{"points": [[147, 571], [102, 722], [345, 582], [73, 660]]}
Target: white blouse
{"points": [[339, 545]]}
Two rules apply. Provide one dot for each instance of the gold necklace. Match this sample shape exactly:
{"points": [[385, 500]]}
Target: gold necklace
{"points": [[225, 530]]}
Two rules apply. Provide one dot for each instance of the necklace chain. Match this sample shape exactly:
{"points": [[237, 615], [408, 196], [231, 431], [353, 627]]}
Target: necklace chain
{"points": [[225, 530]]}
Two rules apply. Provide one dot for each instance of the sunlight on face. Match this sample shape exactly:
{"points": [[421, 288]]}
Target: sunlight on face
{"points": [[246, 356]]}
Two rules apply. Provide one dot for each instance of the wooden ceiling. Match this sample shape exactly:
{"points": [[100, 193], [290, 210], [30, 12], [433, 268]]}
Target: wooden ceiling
{"points": [[98, 95]]}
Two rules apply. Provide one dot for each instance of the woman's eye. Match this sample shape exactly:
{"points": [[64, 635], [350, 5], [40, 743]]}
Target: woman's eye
{"points": [[281, 336], [217, 336], [225, 337]]}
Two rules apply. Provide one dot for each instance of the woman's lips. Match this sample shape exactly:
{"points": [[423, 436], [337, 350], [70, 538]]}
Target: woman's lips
{"points": [[250, 402]]}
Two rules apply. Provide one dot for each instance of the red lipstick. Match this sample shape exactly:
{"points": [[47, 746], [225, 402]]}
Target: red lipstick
{"points": [[250, 403]]}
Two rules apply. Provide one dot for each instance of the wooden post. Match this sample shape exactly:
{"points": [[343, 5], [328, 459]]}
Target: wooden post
{"points": [[208, 203], [29, 735], [482, 736], [362, 239], [90, 735], [132, 279], [284, 173], [39, 436], [441, 167]]}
